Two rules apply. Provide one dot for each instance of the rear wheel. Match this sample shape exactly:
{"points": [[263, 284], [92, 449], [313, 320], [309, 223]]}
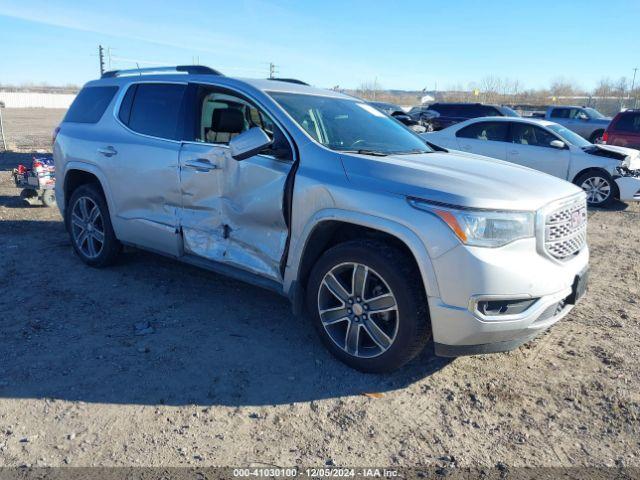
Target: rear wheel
{"points": [[89, 225], [49, 198], [599, 187], [368, 305]]}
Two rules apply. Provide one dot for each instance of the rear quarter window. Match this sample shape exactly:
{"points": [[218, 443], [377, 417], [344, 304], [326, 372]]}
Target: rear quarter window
{"points": [[628, 122], [90, 104]]}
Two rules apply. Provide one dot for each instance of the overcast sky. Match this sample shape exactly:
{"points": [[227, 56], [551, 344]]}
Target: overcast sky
{"points": [[404, 45]]}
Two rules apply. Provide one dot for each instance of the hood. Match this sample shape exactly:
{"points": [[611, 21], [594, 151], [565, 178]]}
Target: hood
{"points": [[458, 179], [629, 157], [600, 121]]}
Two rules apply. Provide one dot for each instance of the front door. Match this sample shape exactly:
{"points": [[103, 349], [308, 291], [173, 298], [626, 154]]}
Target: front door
{"points": [[233, 211], [531, 147]]}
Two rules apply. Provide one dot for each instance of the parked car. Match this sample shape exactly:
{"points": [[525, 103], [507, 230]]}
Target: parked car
{"points": [[448, 114], [603, 172], [399, 114], [585, 121], [316, 195], [624, 130]]}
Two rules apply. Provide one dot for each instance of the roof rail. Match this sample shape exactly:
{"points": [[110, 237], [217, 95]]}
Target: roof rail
{"points": [[189, 69], [289, 80]]}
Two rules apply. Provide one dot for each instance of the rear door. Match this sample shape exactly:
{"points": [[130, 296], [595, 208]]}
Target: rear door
{"points": [[142, 158], [484, 138], [233, 211], [531, 147]]}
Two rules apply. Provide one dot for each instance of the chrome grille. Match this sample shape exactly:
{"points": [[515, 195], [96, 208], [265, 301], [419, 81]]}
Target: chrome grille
{"points": [[565, 230]]}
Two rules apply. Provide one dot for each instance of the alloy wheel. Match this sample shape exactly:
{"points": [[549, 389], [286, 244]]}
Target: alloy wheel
{"points": [[358, 310], [597, 189], [87, 227]]}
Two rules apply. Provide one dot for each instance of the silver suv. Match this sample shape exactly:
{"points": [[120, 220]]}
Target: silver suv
{"points": [[384, 242]]}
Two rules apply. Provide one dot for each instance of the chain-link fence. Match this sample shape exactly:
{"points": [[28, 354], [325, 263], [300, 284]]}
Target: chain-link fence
{"points": [[28, 129]]}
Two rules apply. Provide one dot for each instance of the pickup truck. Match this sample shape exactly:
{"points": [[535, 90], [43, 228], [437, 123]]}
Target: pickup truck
{"points": [[585, 121]]}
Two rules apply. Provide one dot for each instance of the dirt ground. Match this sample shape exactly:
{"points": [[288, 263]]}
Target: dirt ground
{"points": [[29, 128], [152, 362]]}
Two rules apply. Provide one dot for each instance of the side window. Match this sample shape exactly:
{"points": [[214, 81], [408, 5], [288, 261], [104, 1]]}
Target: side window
{"points": [[153, 109], [577, 113], [222, 116], [90, 104], [628, 122], [560, 113], [525, 134], [490, 131]]}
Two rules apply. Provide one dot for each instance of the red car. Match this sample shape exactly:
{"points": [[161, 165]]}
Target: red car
{"points": [[624, 130]]}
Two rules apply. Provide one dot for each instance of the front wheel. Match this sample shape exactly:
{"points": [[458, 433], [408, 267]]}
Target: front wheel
{"points": [[599, 187], [368, 305]]}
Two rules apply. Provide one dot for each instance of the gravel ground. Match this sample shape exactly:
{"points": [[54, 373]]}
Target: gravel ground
{"points": [[152, 362]]}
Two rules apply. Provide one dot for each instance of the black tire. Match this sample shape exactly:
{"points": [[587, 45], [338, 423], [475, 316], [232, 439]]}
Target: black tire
{"points": [[411, 319], [49, 198], [596, 136], [593, 177], [110, 246]]}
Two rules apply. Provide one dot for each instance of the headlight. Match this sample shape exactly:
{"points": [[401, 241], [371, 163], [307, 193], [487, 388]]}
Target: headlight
{"points": [[481, 228]]}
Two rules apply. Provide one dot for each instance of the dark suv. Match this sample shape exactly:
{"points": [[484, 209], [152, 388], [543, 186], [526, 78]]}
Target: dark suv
{"points": [[443, 115], [624, 130]]}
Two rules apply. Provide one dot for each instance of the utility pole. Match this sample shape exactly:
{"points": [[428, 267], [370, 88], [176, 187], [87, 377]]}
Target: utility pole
{"points": [[272, 70], [101, 57], [633, 84]]}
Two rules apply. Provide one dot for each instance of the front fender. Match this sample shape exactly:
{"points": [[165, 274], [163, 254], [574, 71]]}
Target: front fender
{"points": [[401, 232]]}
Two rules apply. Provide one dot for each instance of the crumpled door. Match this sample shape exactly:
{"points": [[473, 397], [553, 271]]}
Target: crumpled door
{"points": [[232, 210]]}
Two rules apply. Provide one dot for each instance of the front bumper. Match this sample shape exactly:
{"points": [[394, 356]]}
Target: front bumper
{"points": [[507, 273], [629, 188]]}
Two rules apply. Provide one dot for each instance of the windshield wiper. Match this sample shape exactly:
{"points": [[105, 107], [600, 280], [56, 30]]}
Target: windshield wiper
{"points": [[363, 151], [413, 152]]}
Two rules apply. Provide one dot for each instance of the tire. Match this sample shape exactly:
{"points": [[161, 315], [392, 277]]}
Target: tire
{"points": [[384, 341], [96, 243], [596, 136], [49, 198], [599, 187]]}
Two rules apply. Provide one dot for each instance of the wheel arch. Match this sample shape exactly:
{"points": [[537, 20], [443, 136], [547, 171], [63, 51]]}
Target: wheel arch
{"points": [[78, 173], [329, 228], [614, 185]]}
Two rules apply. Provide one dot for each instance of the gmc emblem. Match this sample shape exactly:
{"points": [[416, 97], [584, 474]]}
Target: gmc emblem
{"points": [[577, 218]]}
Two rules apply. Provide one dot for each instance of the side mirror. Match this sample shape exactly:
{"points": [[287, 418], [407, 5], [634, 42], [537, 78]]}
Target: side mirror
{"points": [[583, 116], [559, 144], [249, 143]]}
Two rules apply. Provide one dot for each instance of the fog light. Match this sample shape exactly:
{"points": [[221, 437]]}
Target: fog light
{"points": [[504, 307]]}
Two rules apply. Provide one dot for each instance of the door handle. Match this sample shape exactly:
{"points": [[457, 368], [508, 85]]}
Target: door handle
{"points": [[201, 165], [513, 152], [108, 151]]}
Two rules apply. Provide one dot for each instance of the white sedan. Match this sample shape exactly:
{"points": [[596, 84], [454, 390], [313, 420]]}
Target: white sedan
{"points": [[604, 172]]}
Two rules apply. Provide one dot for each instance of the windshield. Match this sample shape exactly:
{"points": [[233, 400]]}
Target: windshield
{"points": [[509, 112], [569, 136], [593, 113], [349, 125]]}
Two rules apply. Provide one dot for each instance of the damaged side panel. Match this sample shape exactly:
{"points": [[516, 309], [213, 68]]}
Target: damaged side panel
{"points": [[233, 213]]}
